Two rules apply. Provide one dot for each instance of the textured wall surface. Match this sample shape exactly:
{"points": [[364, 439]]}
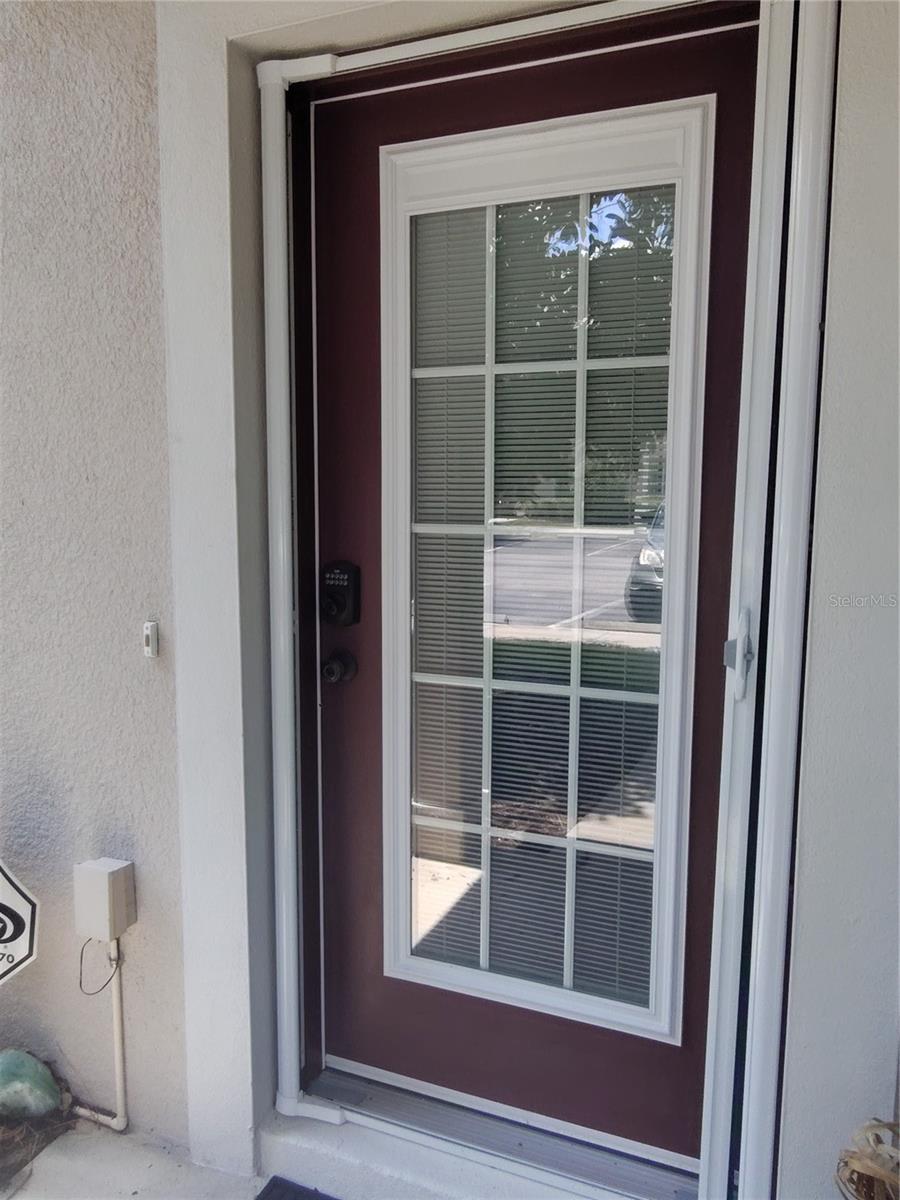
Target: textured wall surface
{"points": [[87, 725], [841, 1052]]}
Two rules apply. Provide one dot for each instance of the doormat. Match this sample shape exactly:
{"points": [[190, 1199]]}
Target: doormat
{"points": [[282, 1189]]}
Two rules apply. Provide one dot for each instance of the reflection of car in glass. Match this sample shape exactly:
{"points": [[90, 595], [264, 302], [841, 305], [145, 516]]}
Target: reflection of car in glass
{"points": [[643, 595]]}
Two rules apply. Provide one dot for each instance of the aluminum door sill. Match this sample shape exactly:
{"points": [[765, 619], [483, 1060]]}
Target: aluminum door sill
{"points": [[571, 1166]]}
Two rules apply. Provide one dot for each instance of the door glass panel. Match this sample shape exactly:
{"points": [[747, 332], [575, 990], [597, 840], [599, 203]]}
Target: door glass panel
{"points": [[617, 772], [528, 887], [536, 282], [530, 616], [449, 604], [446, 881], [540, 407], [447, 742], [449, 262], [530, 762], [534, 447], [613, 927], [625, 446], [449, 433], [629, 237]]}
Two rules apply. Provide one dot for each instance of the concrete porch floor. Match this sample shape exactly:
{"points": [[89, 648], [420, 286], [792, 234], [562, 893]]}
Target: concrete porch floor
{"points": [[95, 1164]]}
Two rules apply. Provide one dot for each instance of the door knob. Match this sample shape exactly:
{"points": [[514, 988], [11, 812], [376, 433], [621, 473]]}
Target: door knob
{"points": [[339, 667]]}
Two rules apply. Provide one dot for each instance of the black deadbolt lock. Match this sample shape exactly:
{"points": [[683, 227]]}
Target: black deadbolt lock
{"points": [[339, 593], [339, 667]]}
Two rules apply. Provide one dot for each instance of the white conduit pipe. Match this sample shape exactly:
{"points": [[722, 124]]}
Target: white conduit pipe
{"points": [[281, 582], [119, 1120]]}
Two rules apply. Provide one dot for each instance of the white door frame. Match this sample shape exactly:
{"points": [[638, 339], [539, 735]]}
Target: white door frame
{"points": [[799, 335]]}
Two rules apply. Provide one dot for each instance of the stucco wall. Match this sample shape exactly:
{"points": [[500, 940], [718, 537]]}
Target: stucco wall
{"points": [[87, 725], [841, 1051]]}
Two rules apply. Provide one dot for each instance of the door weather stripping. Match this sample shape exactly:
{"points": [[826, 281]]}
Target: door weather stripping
{"points": [[739, 654]]}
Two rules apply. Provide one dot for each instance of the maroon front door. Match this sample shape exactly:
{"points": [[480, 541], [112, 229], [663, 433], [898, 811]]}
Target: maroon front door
{"points": [[553, 904]]}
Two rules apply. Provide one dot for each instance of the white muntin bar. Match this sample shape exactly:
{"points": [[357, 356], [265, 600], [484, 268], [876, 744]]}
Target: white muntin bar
{"points": [[590, 845], [577, 592], [544, 367], [532, 688], [487, 701]]}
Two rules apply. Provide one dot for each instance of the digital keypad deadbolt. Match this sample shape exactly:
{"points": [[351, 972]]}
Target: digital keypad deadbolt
{"points": [[339, 593]]}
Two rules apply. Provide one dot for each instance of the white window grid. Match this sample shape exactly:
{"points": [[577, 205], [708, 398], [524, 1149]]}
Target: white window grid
{"points": [[580, 365]]}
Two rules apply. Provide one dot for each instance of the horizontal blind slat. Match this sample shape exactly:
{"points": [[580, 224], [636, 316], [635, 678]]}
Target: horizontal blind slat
{"points": [[625, 450], [447, 752], [449, 604], [530, 762], [449, 450], [534, 446], [449, 273], [630, 271], [527, 910], [617, 771], [613, 927], [620, 668], [536, 293]]}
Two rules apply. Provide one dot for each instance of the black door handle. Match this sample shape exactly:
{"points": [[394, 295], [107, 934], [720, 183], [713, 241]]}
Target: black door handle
{"points": [[339, 667]]}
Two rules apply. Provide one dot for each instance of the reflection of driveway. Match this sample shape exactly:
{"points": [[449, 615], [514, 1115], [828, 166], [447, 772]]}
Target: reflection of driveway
{"points": [[437, 889], [535, 592], [633, 829]]}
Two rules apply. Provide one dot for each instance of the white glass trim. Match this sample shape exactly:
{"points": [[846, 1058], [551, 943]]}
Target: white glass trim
{"points": [[663, 143]]}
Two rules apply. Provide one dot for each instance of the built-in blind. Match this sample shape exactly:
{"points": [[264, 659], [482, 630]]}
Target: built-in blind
{"points": [[530, 762], [630, 272], [534, 446], [449, 265], [448, 604], [539, 462], [528, 884], [449, 450], [625, 444], [536, 293], [447, 749]]}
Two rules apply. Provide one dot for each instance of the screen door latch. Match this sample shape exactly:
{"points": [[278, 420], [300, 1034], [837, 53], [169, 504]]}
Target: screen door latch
{"points": [[739, 654]]}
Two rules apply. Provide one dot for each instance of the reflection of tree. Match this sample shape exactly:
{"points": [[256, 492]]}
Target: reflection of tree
{"points": [[537, 300], [642, 219], [627, 240], [625, 449], [535, 497], [630, 236], [624, 484]]}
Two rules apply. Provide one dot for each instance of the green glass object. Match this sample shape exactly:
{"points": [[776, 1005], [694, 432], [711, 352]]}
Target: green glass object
{"points": [[27, 1087]]}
